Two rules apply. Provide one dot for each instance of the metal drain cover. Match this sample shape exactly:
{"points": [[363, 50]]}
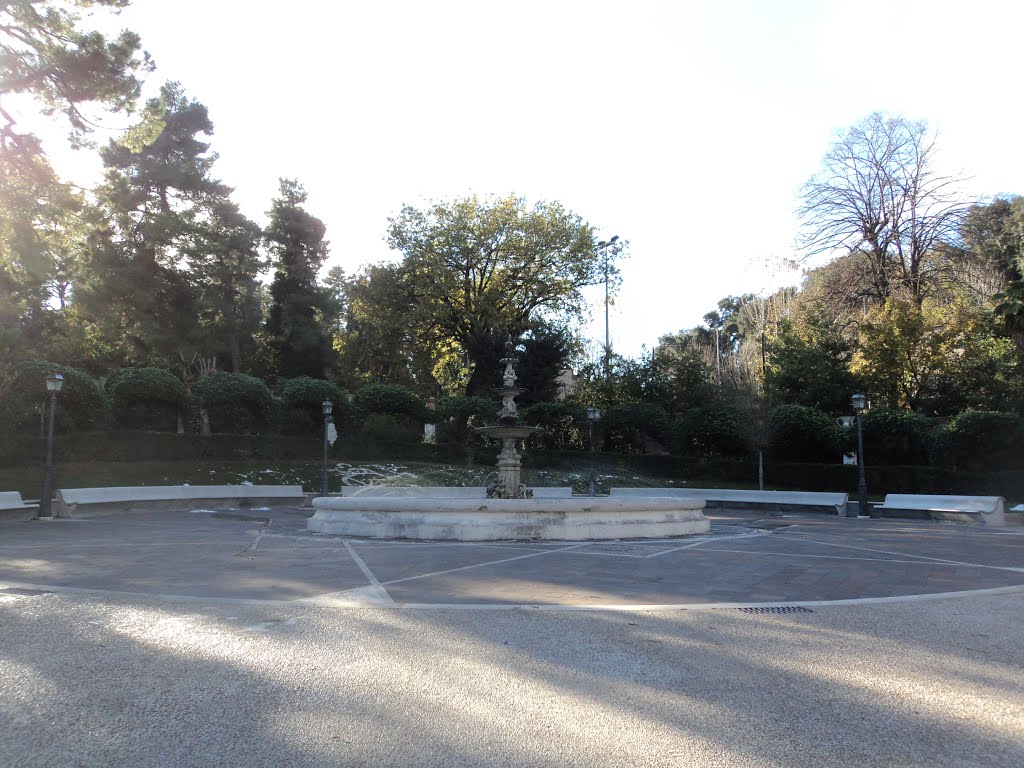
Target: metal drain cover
{"points": [[778, 609]]}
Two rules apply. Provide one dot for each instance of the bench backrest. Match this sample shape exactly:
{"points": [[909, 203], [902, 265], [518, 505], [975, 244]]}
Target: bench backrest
{"points": [[11, 500]]}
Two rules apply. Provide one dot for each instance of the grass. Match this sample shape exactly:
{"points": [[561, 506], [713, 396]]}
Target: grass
{"points": [[28, 480]]}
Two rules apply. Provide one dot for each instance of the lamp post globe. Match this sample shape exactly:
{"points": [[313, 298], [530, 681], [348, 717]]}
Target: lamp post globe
{"points": [[54, 384]]}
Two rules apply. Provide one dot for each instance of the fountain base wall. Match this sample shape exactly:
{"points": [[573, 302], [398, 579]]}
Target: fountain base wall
{"points": [[455, 519]]}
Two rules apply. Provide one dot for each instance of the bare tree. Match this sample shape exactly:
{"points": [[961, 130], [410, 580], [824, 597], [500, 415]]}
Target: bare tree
{"points": [[878, 195]]}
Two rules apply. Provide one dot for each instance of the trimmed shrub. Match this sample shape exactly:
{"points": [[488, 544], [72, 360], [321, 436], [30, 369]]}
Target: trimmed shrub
{"points": [[710, 431], [987, 440], [800, 433], [235, 402], [631, 427], [300, 410], [565, 426], [389, 398], [481, 410], [145, 398], [81, 404], [893, 436]]}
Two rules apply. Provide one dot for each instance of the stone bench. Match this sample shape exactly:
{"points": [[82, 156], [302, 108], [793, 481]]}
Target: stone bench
{"points": [[442, 492], [728, 498], [987, 510], [14, 510], [82, 502]]}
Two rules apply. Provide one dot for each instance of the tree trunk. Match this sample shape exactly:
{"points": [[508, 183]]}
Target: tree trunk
{"points": [[235, 349], [204, 420]]}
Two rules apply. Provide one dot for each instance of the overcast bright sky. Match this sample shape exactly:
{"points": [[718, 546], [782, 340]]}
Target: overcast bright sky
{"points": [[685, 127]]}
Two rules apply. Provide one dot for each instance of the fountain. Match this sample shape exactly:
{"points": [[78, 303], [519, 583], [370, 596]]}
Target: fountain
{"points": [[509, 431], [508, 510]]}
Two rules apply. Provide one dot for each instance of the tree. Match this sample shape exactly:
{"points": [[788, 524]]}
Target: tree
{"points": [[810, 371], [878, 196], [45, 52], [155, 199], [295, 325], [480, 270]]}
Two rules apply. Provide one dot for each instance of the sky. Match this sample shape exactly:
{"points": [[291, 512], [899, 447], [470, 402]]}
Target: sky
{"points": [[686, 128]]}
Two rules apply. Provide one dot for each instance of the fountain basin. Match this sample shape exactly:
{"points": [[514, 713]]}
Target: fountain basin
{"points": [[462, 519]]}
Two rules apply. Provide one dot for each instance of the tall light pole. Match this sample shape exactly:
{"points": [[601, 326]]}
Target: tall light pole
{"points": [[327, 406], [592, 415], [54, 382], [604, 245], [860, 404]]}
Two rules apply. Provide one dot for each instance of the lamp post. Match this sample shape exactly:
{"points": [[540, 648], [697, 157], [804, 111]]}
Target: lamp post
{"points": [[604, 245], [860, 404], [592, 415], [328, 406], [54, 382]]}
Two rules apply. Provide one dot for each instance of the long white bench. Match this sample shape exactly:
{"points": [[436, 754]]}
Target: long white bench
{"points": [[442, 492], [14, 510], [987, 510], [729, 498], [81, 502]]}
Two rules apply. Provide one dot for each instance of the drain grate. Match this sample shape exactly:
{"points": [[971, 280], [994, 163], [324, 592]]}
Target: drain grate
{"points": [[778, 609], [21, 591]]}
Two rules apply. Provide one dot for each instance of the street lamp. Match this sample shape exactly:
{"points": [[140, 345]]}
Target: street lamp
{"points": [[860, 404], [328, 406], [592, 415], [54, 382], [605, 245]]}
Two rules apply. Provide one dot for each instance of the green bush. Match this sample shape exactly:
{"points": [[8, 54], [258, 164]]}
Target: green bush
{"points": [[893, 436], [800, 433], [387, 427], [631, 427], [565, 426], [301, 406], [389, 398], [987, 440], [81, 404], [235, 402], [145, 398], [709, 431], [481, 410]]}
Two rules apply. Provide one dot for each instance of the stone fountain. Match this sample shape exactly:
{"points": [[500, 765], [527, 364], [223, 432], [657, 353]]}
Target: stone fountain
{"points": [[509, 431], [508, 510]]}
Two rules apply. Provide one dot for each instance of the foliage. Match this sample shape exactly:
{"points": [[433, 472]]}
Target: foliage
{"points": [[236, 402], [893, 436], [878, 194], [812, 372], [484, 269], [302, 399], [631, 427], [711, 430], [81, 403], [49, 54], [388, 398], [986, 440], [296, 332], [565, 425], [800, 433], [145, 398]]}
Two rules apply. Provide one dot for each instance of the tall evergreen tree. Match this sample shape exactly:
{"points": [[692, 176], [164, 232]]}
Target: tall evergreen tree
{"points": [[300, 309]]}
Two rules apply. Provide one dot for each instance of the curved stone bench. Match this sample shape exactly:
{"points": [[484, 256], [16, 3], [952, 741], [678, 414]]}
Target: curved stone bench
{"points": [[454, 519], [987, 510], [729, 498], [14, 510], [81, 502]]}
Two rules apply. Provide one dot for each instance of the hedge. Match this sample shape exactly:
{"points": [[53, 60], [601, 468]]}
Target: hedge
{"points": [[145, 398], [81, 404]]}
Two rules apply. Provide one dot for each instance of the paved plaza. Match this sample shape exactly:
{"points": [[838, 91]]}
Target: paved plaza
{"points": [[237, 638]]}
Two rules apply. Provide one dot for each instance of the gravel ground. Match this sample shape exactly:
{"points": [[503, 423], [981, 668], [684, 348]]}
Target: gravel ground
{"points": [[107, 681]]}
